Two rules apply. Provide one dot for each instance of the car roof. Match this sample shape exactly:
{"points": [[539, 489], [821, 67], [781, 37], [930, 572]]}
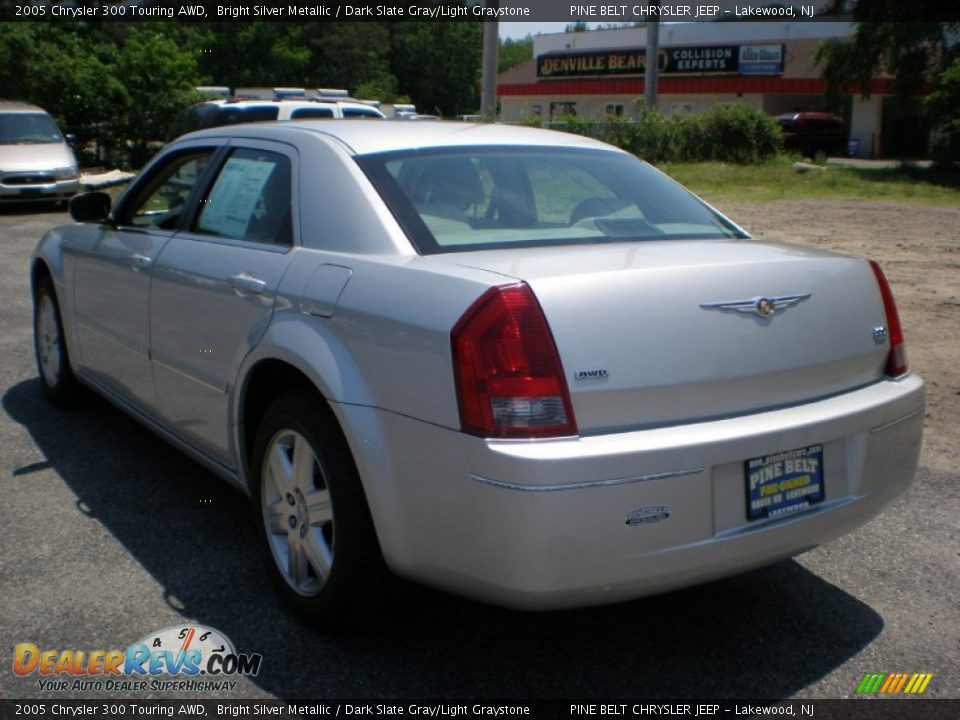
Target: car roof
{"points": [[291, 105], [363, 137], [8, 106], [298, 102]]}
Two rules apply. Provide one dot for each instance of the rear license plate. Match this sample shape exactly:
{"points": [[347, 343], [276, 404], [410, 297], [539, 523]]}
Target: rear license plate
{"points": [[784, 482]]}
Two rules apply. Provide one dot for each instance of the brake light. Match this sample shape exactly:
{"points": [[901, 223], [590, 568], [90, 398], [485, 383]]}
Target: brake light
{"points": [[897, 358], [507, 371]]}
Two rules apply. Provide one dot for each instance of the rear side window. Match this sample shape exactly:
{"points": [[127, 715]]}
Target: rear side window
{"points": [[250, 199], [360, 113], [310, 113], [482, 198]]}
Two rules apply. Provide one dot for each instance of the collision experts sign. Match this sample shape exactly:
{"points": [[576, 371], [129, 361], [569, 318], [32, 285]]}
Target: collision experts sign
{"points": [[696, 60]]}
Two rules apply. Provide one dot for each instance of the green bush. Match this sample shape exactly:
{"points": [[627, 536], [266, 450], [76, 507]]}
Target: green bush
{"points": [[741, 134], [695, 144], [654, 137], [531, 121], [736, 133]]}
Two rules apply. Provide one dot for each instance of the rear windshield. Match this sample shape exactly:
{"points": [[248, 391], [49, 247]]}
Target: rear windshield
{"points": [[483, 198], [28, 129]]}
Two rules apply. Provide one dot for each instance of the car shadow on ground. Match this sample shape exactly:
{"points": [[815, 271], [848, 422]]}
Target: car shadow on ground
{"points": [[765, 634], [906, 172], [39, 207]]}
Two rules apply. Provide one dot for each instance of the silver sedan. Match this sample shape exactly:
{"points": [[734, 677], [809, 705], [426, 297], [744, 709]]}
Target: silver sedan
{"points": [[519, 365]]}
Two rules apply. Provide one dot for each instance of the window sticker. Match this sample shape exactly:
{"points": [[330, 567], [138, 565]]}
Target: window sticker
{"points": [[233, 201]]}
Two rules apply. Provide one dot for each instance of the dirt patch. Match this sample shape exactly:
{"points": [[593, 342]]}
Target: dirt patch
{"points": [[919, 249]]}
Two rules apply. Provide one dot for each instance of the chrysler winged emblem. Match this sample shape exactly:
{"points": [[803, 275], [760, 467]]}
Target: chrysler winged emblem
{"points": [[761, 306]]}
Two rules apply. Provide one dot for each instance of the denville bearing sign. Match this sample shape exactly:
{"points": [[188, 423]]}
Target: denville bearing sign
{"points": [[723, 59]]}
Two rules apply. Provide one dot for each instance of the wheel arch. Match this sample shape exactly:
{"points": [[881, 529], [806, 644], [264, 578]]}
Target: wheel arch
{"points": [[48, 259], [39, 268], [288, 359], [265, 382]]}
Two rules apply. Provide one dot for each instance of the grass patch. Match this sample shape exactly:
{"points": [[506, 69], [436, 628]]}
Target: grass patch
{"points": [[777, 180]]}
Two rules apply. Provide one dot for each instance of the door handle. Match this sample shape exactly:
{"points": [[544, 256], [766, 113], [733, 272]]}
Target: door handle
{"points": [[246, 282], [140, 262]]}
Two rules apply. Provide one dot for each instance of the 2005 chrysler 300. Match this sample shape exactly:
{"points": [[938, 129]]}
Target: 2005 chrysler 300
{"points": [[520, 365]]}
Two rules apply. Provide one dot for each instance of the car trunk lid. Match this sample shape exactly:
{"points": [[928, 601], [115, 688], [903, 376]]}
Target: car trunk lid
{"points": [[667, 332]]}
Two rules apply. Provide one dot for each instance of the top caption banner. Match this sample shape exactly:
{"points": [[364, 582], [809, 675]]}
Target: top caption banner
{"points": [[533, 11]]}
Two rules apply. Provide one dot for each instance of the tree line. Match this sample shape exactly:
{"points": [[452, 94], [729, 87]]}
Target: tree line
{"points": [[117, 86], [917, 45]]}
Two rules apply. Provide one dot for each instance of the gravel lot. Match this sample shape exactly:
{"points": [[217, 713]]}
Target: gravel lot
{"points": [[108, 535]]}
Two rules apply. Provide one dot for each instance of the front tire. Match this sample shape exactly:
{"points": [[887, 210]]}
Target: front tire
{"points": [[50, 347], [311, 513]]}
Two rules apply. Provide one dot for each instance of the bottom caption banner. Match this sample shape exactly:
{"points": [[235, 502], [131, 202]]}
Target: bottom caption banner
{"points": [[868, 709]]}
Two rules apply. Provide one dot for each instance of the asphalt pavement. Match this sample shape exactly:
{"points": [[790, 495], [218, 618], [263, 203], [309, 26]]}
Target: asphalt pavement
{"points": [[108, 535]]}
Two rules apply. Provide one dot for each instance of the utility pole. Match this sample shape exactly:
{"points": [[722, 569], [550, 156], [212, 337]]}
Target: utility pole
{"points": [[491, 49], [651, 65]]}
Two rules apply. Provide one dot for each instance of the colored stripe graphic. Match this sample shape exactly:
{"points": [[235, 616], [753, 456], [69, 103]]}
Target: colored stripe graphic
{"points": [[870, 683], [918, 683], [894, 683]]}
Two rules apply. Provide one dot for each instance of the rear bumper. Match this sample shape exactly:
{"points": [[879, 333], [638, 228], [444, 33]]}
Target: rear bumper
{"points": [[542, 524]]}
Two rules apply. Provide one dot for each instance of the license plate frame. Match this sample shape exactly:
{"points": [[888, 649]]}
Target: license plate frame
{"points": [[784, 483]]}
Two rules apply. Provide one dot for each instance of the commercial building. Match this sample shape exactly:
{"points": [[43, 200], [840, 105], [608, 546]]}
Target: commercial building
{"points": [[769, 65]]}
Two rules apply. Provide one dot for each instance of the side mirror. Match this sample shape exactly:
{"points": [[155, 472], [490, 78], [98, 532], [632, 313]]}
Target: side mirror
{"points": [[90, 207], [71, 139]]}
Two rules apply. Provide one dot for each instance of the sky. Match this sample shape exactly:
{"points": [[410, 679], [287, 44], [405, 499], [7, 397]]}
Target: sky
{"points": [[519, 30]]}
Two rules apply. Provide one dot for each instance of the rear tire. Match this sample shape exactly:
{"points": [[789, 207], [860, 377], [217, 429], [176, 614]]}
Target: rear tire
{"points": [[311, 513], [50, 347]]}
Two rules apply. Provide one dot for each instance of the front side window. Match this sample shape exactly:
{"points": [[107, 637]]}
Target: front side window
{"points": [[28, 129], [161, 202], [250, 199], [482, 198]]}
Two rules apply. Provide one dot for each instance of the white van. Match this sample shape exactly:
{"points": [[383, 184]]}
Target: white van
{"points": [[35, 161]]}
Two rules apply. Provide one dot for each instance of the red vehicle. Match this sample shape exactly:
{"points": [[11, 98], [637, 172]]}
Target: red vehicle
{"points": [[814, 133]]}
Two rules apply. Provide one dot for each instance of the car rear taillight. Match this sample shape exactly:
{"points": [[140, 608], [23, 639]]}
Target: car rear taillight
{"points": [[508, 375], [897, 358]]}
